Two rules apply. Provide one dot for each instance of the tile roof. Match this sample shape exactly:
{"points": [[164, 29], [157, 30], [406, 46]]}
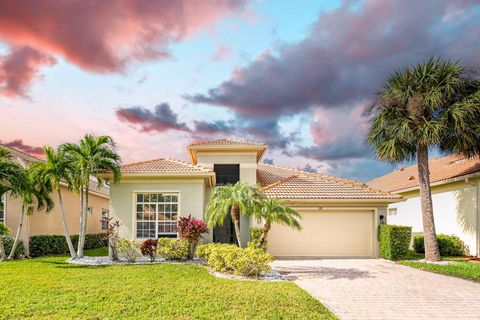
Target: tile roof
{"points": [[440, 169], [164, 165], [20, 157], [288, 183], [228, 143]]}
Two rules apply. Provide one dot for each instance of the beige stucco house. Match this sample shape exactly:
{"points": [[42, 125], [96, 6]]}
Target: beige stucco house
{"points": [[455, 184], [42, 223], [340, 217]]}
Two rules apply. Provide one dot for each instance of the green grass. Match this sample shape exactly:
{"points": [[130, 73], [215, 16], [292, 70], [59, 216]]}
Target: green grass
{"points": [[96, 252], [49, 288], [461, 268]]}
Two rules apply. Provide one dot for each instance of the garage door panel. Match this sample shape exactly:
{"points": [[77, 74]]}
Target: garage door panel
{"points": [[325, 234]]}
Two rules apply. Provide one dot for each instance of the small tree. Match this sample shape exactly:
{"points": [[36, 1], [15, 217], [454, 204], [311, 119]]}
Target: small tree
{"points": [[275, 211], [112, 235], [149, 249], [191, 229], [233, 200]]}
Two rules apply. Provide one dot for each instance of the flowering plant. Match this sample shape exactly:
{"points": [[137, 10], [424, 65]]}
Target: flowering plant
{"points": [[192, 230]]}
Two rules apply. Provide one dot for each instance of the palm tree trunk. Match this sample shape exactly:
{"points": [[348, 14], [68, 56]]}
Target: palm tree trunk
{"points": [[83, 226], [17, 237], [3, 256], [82, 205], [65, 228], [263, 238], [432, 252], [235, 213]]}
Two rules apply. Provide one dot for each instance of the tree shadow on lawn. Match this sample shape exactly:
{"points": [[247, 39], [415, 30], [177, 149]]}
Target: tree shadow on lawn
{"points": [[327, 273], [66, 265]]}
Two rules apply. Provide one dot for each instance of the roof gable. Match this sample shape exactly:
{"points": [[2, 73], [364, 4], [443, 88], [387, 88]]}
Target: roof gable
{"points": [[441, 169], [226, 145]]}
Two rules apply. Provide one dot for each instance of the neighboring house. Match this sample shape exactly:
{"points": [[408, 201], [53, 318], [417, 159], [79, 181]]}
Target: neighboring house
{"points": [[42, 223], [340, 217], [455, 182]]}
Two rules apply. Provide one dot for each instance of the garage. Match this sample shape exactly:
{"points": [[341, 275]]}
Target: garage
{"points": [[334, 233]]}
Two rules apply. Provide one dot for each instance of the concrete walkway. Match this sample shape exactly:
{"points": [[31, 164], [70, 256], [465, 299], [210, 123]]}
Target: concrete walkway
{"points": [[380, 289]]}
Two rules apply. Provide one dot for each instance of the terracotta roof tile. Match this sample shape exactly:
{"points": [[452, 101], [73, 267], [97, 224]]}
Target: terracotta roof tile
{"points": [[228, 143], [440, 169], [288, 183], [163, 165]]}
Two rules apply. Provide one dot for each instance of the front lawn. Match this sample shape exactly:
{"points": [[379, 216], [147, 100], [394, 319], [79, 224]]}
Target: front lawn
{"points": [[49, 288], [461, 268]]}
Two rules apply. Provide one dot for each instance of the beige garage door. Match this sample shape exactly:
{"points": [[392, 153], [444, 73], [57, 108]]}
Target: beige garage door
{"points": [[325, 234]]}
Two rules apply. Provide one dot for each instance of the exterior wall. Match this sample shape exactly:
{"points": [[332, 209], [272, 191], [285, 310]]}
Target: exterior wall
{"points": [[191, 193], [455, 209], [248, 173], [42, 223]]}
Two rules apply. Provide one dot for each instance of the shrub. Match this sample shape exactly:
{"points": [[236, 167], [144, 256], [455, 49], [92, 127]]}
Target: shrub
{"points": [[173, 249], [42, 245], [192, 230], [228, 258], [449, 245], [255, 235], [112, 237], [149, 249], [8, 244], [128, 250], [394, 241]]}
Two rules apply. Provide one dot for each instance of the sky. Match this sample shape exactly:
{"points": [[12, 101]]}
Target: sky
{"points": [[158, 75]]}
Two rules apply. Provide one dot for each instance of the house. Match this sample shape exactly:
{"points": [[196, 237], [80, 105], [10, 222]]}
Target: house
{"points": [[42, 223], [455, 182], [340, 217]]}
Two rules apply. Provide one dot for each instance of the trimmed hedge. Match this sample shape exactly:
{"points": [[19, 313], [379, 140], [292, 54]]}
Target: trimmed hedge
{"points": [[449, 245], [394, 241], [43, 245], [8, 243]]}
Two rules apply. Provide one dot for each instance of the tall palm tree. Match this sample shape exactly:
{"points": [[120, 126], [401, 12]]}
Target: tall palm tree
{"points": [[55, 170], [273, 210], [90, 157], [4, 231], [435, 104], [233, 200], [30, 191]]}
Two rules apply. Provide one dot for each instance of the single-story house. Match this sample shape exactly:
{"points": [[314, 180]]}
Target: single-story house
{"points": [[340, 217], [455, 182], [42, 223]]}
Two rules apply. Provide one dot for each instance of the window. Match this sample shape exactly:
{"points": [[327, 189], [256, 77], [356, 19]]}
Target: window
{"points": [[226, 173], [392, 211], [157, 215], [90, 210], [105, 219], [2, 208]]}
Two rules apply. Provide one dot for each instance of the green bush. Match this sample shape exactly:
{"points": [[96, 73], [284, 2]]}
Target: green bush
{"points": [[255, 235], [8, 244], [128, 250], [449, 245], [394, 241], [228, 258], [43, 245], [173, 249]]}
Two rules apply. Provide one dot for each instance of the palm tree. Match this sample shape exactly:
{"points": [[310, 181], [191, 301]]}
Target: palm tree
{"points": [[30, 191], [90, 157], [273, 210], [435, 104], [55, 170], [233, 200], [4, 231]]}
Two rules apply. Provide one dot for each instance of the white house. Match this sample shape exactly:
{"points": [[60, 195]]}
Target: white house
{"points": [[455, 182]]}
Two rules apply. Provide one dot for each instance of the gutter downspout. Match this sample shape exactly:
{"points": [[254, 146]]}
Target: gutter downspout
{"points": [[477, 229]]}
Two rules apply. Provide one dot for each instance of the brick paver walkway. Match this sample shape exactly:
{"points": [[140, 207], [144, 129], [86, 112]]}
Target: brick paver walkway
{"points": [[379, 289]]}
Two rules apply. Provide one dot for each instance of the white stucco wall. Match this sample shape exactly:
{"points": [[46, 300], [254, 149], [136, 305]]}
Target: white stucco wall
{"points": [[455, 212]]}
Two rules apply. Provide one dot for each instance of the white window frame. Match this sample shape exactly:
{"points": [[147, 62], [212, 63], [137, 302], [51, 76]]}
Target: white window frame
{"points": [[105, 220], [392, 212], [156, 204]]}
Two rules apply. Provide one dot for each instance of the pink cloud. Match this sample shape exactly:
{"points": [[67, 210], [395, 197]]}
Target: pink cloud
{"points": [[28, 149], [19, 67], [223, 52], [107, 36]]}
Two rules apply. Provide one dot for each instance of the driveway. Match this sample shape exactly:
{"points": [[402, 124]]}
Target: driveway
{"points": [[380, 289]]}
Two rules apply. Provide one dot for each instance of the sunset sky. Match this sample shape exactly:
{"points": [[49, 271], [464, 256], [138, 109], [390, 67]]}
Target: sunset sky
{"points": [[157, 75]]}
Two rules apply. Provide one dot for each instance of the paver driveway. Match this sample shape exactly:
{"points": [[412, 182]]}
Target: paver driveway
{"points": [[380, 289]]}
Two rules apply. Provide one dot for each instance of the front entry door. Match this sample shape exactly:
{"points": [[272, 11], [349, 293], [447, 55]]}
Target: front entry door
{"points": [[226, 232]]}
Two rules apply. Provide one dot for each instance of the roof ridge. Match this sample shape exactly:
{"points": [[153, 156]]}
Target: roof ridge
{"points": [[186, 163], [200, 142], [279, 182], [141, 162]]}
